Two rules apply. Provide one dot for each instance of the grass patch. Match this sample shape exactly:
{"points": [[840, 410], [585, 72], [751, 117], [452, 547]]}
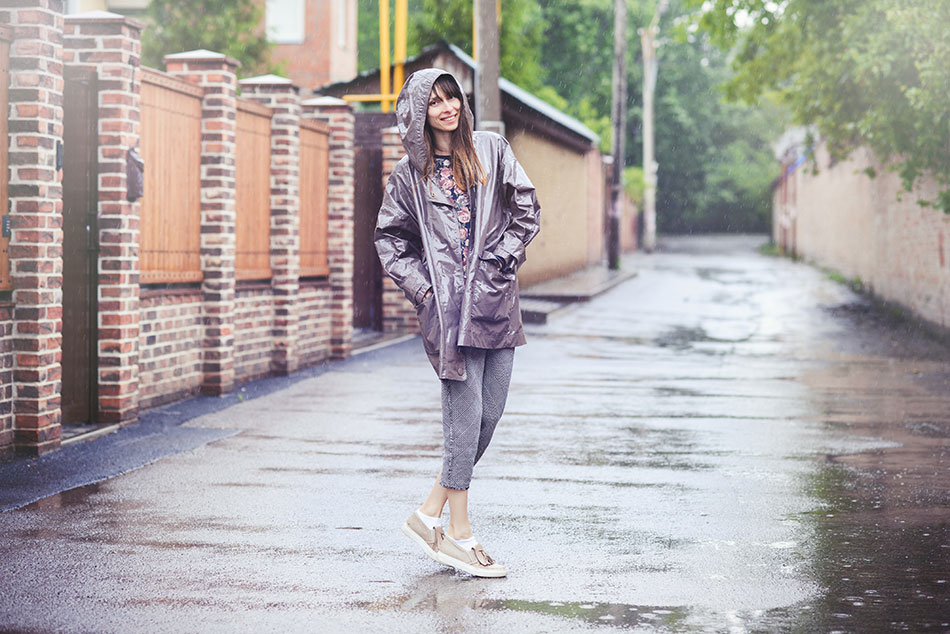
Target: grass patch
{"points": [[854, 283], [770, 248]]}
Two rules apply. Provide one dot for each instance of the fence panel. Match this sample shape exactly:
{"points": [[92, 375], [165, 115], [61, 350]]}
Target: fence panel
{"points": [[314, 198], [171, 207], [252, 171], [6, 281]]}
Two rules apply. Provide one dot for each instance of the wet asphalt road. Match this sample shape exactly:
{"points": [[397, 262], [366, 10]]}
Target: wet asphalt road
{"points": [[728, 442]]}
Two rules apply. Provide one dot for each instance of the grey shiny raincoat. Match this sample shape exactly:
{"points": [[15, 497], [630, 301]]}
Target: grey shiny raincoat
{"points": [[417, 238]]}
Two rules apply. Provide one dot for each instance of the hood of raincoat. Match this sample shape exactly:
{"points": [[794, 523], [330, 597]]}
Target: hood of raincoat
{"points": [[412, 110]]}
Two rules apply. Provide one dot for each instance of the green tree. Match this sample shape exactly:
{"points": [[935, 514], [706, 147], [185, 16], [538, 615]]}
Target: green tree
{"points": [[231, 27], [865, 72], [577, 54], [715, 160]]}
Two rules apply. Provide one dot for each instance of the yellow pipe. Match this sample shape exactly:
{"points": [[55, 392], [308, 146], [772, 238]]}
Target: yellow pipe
{"points": [[402, 25], [384, 87], [380, 98], [474, 32]]}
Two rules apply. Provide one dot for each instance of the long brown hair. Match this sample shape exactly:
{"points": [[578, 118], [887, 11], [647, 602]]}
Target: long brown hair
{"points": [[466, 168]]}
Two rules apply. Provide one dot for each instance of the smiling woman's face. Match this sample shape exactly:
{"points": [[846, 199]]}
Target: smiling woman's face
{"points": [[443, 112]]}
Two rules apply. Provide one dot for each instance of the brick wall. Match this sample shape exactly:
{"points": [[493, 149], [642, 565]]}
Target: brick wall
{"points": [[282, 96], [7, 360], [169, 346], [35, 122], [156, 343], [254, 318], [216, 74], [109, 44], [314, 328], [339, 116], [840, 218]]}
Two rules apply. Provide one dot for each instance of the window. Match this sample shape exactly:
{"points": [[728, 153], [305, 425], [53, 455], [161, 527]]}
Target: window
{"points": [[285, 21]]}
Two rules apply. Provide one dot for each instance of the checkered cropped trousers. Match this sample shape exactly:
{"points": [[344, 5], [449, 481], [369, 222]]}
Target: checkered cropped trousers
{"points": [[470, 411]]}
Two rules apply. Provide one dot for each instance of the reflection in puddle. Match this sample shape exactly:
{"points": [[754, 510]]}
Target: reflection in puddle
{"points": [[66, 499], [457, 600], [883, 567], [616, 614], [451, 596]]}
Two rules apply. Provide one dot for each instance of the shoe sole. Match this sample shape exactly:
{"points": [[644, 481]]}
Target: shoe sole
{"points": [[411, 534], [475, 571]]}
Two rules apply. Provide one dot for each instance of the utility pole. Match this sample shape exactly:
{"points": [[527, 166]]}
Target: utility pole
{"points": [[618, 116], [650, 68], [487, 95]]}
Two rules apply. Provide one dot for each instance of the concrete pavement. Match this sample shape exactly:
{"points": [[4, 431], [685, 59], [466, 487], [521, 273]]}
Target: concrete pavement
{"points": [[727, 442]]}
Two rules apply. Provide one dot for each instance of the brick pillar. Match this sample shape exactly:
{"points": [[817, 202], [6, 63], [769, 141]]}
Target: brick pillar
{"points": [[339, 116], [7, 353], [283, 97], [399, 316], [216, 73], [35, 120], [110, 44]]}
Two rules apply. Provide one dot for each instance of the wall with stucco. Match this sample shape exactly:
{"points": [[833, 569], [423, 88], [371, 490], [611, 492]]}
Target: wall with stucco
{"points": [[561, 178], [868, 229]]}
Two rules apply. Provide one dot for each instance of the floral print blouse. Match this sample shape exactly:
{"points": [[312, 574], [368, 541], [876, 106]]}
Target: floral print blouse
{"points": [[443, 171]]}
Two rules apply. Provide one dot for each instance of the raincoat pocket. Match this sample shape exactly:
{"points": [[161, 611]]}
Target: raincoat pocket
{"points": [[493, 290], [429, 327]]}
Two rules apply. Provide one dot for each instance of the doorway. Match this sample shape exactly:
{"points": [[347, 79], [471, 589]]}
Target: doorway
{"points": [[80, 247]]}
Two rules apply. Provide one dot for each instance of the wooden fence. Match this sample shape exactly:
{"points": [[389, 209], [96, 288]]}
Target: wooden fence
{"points": [[171, 207], [6, 35], [252, 172], [314, 191]]}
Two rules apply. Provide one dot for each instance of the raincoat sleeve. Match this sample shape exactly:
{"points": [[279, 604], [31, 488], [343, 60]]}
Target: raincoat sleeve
{"points": [[522, 203], [399, 244]]}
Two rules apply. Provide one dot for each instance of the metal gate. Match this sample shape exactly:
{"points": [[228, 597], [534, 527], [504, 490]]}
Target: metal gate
{"points": [[80, 246], [368, 196]]}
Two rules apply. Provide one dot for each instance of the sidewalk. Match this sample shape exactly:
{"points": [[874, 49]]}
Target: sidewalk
{"points": [[541, 301]]}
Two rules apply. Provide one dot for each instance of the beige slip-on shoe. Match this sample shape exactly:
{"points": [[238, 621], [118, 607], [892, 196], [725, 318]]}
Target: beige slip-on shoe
{"points": [[428, 538], [475, 561]]}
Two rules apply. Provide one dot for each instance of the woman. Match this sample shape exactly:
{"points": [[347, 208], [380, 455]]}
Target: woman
{"points": [[456, 217]]}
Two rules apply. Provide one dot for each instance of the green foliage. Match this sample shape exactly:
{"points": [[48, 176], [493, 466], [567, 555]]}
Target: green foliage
{"points": [[577, 54], [866, 72], [634, 184], [520, 38], [231, 27], [716, 165]]}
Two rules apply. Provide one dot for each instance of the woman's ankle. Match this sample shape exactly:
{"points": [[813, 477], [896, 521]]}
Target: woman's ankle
{"points": [[459, 533], [430, 511]]}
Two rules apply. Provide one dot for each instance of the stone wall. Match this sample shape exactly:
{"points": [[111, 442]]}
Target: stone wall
{"points": [[868, 229]]}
